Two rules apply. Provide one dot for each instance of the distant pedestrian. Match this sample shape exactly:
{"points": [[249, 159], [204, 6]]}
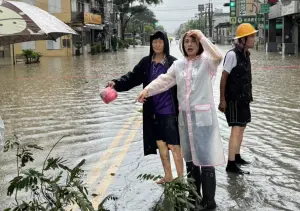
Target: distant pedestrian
{"points": [[114, 42]]}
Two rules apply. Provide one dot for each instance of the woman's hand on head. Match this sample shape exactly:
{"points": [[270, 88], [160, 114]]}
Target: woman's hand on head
{"points": [[196, 33]]}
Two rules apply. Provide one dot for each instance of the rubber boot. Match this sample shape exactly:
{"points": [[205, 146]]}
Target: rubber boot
{"points": [[240, 161], [208, 178], [233, 168], [195, 173]]}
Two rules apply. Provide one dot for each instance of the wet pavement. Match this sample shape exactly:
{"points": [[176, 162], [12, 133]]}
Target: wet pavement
{"points": [[60, 96]]}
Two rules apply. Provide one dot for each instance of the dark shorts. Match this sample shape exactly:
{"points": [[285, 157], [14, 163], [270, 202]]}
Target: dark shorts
{"points": [[238, 113], [166, 129]]}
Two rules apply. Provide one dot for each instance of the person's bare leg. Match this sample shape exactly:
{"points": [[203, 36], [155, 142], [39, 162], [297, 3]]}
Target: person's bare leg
{"points": [[234, 142], [165, 159], [238, 159], [241, 135], [176, 151]]}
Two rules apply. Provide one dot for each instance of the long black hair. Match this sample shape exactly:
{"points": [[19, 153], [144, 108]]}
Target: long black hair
{"points": [[163, 36], [200, 51]]}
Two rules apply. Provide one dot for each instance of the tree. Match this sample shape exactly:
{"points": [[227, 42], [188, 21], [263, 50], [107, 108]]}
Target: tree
{"points": [[191, 24], [148, 29], [160, 28], [138, 21], [127, 10], [146, 16]]}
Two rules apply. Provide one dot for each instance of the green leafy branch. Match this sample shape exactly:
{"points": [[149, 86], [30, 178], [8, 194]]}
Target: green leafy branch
{"points": [[177, 195], [53, 188]]}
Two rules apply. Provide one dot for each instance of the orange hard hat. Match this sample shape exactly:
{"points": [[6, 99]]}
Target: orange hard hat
{"points": [[244, 30]]}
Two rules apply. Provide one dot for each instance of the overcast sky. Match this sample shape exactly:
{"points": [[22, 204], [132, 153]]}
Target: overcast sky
{"points": [[171, 13]]}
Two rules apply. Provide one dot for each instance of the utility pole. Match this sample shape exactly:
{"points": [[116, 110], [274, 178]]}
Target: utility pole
{"points": [[108, 21], [144, 35], [114, 15], [265, 15], [205, 25], [201, 8], [200, 19], [113, 23], [210, 18]]}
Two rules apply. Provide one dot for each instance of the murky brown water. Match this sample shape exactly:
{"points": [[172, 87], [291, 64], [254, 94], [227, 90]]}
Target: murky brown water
{"points": [[60, 96]]}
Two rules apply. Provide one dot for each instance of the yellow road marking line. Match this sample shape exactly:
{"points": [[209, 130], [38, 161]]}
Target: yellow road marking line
{"points": [[108, 179], [95, 173], [108, 153]]}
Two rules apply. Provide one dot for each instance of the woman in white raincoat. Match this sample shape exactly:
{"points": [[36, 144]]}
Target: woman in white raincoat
{"points": [[198, 124]]}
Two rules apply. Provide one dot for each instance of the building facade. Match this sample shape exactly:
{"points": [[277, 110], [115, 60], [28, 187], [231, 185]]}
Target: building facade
{"points": [[84, 16], [284, 27], [222, 29]]}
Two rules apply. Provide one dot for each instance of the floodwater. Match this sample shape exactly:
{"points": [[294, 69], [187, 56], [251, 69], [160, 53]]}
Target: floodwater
{"points": [[60, 97]]}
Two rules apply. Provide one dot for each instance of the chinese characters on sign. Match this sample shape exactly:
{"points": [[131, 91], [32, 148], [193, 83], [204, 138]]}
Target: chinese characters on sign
{"points": [[92, 18], [250, 19], [243, 8]]}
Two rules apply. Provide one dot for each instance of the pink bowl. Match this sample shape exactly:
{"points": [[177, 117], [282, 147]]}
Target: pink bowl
{"points": [[108, 95]]}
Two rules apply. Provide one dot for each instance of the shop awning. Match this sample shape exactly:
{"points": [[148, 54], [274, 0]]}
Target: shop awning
{"points": [[94, 26]]}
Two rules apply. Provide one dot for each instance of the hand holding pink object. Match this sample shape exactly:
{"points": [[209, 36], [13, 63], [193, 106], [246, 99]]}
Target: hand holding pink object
{"points": [[108, 95]]}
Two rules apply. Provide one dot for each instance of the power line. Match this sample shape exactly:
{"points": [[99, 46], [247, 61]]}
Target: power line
{"points": [[171, 9], [168, 9], [178, 19]]}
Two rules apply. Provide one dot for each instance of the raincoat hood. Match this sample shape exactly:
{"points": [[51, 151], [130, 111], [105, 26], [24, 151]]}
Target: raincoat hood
{"points": [[165, 39]]}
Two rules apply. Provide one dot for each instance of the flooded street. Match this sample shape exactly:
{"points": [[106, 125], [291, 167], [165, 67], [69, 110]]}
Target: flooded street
{"points": [[60, 96]]}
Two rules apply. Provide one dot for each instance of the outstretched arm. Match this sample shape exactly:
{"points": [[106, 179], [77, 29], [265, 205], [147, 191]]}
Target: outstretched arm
{"points": [[129, 80], [159, 85]]}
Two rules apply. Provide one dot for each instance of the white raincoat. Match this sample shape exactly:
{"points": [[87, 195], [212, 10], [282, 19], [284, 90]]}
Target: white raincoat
{"points": [[198, 124]]}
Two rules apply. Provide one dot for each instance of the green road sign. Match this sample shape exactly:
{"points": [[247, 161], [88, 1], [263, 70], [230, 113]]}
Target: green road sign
{"points": [[249, 19], [264, 8]]}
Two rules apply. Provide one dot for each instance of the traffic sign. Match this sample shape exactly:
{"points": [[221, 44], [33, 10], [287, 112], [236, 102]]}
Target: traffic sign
{"points": [[249, 19], [201, 7], [240, 20], [233, 20], [264, 8], [232, 6]]}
